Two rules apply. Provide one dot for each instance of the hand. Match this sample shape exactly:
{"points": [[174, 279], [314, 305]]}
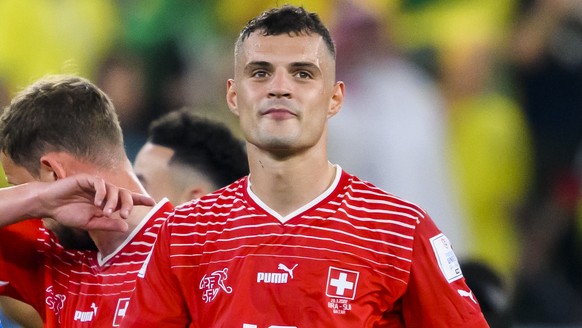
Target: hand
{"points": [[87, 202]]}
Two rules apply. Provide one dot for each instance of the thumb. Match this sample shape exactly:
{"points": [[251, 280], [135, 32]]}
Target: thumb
{"points": [[107, 224]]}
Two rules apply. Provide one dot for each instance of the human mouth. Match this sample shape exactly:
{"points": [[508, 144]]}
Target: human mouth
{"points": [[279, 113]]}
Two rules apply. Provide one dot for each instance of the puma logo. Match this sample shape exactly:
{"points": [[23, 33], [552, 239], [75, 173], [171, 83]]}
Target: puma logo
{"points": [[276, 277], [468, 294], [286, 269]]}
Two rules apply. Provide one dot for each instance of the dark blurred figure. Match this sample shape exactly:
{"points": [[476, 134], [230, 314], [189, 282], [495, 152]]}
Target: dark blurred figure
{"points": [[122, 76], [142, 88], [547, 50], [490, 290]]}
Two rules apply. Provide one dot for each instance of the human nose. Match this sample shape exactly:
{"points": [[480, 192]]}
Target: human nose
{"points": [[280, 84]]}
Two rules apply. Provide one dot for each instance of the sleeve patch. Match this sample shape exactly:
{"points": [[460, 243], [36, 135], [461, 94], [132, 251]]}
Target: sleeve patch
{"points": [[446, 258]]}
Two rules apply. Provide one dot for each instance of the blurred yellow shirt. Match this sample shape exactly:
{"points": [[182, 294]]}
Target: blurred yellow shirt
{"points": [[3, 182], [52, 37]]}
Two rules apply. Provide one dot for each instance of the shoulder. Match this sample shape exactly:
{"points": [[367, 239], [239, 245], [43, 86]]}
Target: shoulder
{"points": [[25, 239], [367, 196], [219, 202], [30, 234]]}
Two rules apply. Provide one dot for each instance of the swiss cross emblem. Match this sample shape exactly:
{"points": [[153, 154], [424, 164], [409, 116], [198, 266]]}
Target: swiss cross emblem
{"points": [[342, 283], [122, 304]]}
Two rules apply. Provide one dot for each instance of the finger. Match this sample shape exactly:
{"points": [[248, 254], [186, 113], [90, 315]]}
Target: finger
{"points": [[141, 199], [111, 200], [107, 224], [126, 200], [100, 190]]}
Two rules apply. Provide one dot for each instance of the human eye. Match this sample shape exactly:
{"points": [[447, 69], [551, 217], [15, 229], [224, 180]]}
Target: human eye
{"points": [[259, 73], [304, 75]]}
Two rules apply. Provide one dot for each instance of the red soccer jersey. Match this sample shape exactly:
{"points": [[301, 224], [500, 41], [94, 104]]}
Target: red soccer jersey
{"points": [[74, 288], [354, 257]]}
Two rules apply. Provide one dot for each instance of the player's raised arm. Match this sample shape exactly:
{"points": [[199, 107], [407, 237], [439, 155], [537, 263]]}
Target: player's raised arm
{"points": [[81, 201]]}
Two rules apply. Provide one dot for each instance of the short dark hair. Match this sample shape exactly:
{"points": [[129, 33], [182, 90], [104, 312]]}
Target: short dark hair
{"points": [[61, 113], [287, 19], [203, 144]]}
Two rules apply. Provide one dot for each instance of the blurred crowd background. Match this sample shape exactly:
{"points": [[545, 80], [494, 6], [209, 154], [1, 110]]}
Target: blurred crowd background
{"points": [[470, 108]]}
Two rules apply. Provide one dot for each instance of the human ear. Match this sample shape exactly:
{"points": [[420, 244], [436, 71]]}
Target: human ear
{"points": [[337, 99], [194, 193], [231, 96], [51, 169]]}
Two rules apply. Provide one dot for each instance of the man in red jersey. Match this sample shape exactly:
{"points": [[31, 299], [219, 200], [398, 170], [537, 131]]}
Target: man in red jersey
{"points": [[299, 242], [57, 127], [81, 199]]}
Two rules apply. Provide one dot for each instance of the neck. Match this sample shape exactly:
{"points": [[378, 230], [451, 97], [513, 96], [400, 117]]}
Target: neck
{"points": [[287, 184], [107, 241]]}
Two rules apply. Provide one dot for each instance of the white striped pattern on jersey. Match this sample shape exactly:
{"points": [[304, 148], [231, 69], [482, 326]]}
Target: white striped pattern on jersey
{"points": [[356, 222]]}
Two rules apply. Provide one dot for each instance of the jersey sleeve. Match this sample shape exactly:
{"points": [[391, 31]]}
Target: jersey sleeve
{"points": [[437, 294], [157, 300], [21, 263]]}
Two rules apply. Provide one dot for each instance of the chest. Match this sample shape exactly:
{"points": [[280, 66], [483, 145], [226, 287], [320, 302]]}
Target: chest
{"points": [[302, 274], [82, 294]]}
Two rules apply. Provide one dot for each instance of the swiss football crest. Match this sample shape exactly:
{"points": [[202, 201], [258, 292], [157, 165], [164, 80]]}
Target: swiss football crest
{"points": [[341, 289], [213, 283], [55, 301], [342, 283]]}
